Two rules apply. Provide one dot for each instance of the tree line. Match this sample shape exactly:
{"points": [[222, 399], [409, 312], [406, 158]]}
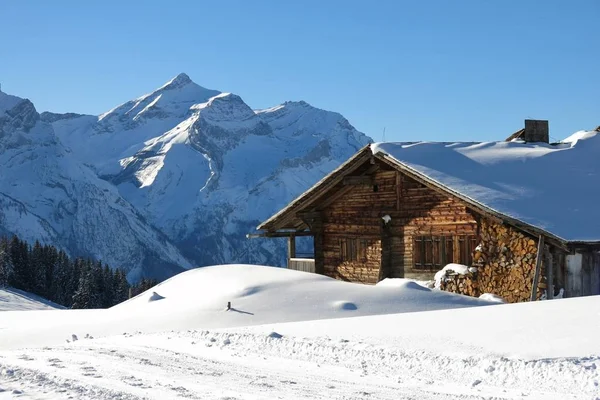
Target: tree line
{"points": [[49, 272]]}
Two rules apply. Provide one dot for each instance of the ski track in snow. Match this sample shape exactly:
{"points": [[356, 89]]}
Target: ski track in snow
{"points": [[224, 365]]}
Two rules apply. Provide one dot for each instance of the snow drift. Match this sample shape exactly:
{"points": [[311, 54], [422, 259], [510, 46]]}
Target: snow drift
{"points": [[197, 299]]}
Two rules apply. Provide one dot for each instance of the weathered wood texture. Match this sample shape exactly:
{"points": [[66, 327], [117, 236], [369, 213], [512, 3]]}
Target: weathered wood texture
{"points": [[414, 209], [302, 264], [582, 274], [463, 284], [505, 261]]}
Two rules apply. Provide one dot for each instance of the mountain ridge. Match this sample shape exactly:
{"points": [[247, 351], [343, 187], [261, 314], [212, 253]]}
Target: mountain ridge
{"points": [[203, 168]]}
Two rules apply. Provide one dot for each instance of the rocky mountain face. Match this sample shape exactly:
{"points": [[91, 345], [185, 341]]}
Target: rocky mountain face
{"points": [[46, 194], [190, 170]]}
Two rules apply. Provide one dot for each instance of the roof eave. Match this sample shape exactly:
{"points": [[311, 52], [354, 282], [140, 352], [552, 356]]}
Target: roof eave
{"points": [[304, 199]]}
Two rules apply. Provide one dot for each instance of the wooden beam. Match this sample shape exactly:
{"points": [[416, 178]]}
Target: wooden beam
{"points": [[283, 216], [538, 267], [549, 275], [309, 215], [360, 180], [277, 234], [398, 189], [335, 197]]}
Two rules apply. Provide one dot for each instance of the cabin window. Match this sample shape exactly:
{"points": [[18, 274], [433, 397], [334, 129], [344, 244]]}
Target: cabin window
{"points": [[467, 245], [434, 252], [352, 249]]}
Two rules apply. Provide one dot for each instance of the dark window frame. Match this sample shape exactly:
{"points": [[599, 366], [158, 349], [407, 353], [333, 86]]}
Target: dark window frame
{"points": [[354, 249], [432, 253]]}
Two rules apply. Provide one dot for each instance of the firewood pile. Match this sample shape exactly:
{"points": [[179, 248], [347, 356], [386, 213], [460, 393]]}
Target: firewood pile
{"points": [[505, 261], [463, 284]]}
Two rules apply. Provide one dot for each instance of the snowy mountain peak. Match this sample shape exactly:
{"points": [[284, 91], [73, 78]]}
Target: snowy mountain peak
{"points": [[225, 107], [173, 99], [7, 102], [177, 82], [17, 114]]}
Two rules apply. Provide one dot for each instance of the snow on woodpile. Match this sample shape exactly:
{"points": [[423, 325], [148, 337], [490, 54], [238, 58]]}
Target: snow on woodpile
{"points": [[553, 187], [450, 268], [492, 297]]}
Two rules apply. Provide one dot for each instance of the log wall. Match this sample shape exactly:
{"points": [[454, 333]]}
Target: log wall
{"points": [[415, 210], [357, 215], [505, 262]]}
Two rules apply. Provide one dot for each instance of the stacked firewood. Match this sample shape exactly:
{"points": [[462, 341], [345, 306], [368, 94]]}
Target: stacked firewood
{"points": [[462, 284], [505, 261]]}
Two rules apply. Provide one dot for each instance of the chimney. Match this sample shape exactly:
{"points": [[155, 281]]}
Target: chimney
{"points": [[536, 131]]}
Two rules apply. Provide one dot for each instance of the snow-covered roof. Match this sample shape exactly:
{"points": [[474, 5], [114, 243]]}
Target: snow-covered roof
{"points": [[552, 187]]}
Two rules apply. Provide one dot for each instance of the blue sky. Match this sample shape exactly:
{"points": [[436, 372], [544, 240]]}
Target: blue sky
{"points": [[424, 70]]}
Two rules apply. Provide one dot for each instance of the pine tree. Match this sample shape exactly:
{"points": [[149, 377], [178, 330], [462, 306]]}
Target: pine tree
{"points": [[84, 296], [6, 269], [121, 287], [50, 259], [108, 299], [36, 270], [22, 276], [61, 288], [48, 272]]}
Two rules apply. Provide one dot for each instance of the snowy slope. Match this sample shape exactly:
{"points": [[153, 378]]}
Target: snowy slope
{"points": [[46, 194], [198, 298], [542, 350], [519, 179], [205, 168], [19, 300]]}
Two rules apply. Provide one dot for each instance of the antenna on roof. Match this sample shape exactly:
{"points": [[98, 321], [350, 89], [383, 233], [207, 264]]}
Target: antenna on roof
{"points": [[383, 136]]}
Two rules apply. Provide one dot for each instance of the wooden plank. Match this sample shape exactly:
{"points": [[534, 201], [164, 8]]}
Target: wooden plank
{"points": [[287, 214], [595, 275], [538, 267], [573, 284], [586, 270], [277, 234], [549, 276], [358, 180], [302, 264], [398, 190]]}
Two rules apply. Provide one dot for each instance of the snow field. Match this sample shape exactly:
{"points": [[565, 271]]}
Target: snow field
{"points": [[294, 335], [18, 300]]}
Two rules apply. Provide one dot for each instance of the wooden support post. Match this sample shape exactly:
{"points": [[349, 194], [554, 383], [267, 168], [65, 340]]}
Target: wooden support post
{"points": [[386, 252], [538, 267], [319, 252], [291, 246], [549, 275], [398, 190]]}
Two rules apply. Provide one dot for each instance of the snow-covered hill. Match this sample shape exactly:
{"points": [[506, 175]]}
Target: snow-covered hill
{"points": [[179, 340], [47, 194], [19, 300], [197, 299], [204, 168]]}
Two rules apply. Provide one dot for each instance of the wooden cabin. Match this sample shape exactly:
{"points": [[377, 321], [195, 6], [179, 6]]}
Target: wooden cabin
{"points": [[403, 211]]}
